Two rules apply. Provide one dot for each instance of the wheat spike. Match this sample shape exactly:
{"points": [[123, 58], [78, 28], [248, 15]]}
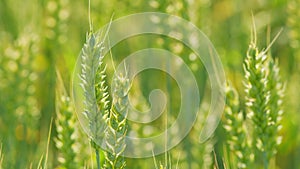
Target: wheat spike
{"points": [[65, 127], [234, 125], [116, 132], [91, 56], [264, 91]]}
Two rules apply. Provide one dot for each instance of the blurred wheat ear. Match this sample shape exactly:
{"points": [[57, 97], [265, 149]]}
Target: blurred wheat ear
{"points": [[294, 27], [65, 127], [234, 125]]}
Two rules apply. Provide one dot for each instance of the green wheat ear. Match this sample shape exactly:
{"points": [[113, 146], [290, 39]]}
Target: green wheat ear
{"points": [[65, 127], [96, 98], [117, 124], [235, 126], [91, 57], [263, 100]]}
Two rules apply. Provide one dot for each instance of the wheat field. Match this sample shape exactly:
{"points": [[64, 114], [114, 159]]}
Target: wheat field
{"points": [[64, 104]]}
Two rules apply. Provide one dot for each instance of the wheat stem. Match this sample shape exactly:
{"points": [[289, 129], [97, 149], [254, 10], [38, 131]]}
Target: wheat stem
{"points": [[1, 156], [98, 158]]}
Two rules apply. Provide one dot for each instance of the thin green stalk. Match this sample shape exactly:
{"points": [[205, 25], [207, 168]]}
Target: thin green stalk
{"points": [[39, 166], [98, 159], [48, 144], [266, 162], [1, 157]]}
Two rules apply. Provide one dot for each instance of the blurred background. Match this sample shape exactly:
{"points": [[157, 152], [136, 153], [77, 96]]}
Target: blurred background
{"points": [[39, 37]]}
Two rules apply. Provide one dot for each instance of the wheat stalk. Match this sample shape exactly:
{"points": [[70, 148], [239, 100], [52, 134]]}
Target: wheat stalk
{"points": [[1, 157]]}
